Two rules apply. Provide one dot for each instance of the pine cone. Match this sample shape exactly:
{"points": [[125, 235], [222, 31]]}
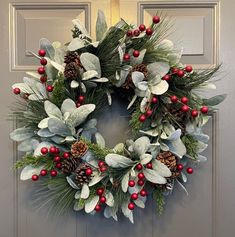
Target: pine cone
{"points": [[71, 71], [72, 57], [80, 175], [79, 149], [69, 165], [179, 117], [168, 159], [139, 68]]}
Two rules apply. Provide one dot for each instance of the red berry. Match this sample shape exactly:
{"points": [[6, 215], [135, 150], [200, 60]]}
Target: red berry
{"points": [[156, 19], [136, 32], [139, 167], [66, 155], [43, 79], [136, 53], [52, 150], [143, 193], [189, 170], [142, 27], [78, 105], [43, 172], [141, 175], [58, 165], [184, 100], [131, 206], [185, 108], [126, 57], [41, 70], [134, 196], [180, 73], [149, 112], [16, 91], [131, 183], [101, 163], [154, 100], [89, 171], [129, 33], [41, 52], [81, 98], [35, 177], [149, 165], [50, 88], [57, 150], [56, 159], [100, 191], [180, 167], [142, 118], [188, 68], [103, 199], [44, 150], [53, 173], [174, 99], [174, 70], [103, 168], [140, 182], [97, 208], [43, 61], [194, 113], [149, 31], [166, 77], [204, 109]]}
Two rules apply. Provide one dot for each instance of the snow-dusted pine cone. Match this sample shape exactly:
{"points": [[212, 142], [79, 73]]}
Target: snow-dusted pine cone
{"points": [[71, 71], [79, 149]]}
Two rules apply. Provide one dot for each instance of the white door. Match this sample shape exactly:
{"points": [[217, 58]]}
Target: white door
{"points": [[206, 29]]}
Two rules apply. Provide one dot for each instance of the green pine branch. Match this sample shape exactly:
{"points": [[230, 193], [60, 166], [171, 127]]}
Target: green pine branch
{"points": [[159, 199]]}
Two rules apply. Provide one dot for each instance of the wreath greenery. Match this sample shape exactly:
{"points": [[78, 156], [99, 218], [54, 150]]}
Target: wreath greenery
{"points": [[59, 104]]}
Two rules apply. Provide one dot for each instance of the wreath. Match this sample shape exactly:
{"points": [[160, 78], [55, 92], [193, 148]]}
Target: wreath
{"points": [[59, 105]]}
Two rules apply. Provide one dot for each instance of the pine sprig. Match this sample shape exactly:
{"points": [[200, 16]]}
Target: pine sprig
{"points": [[191, 145], [159, 199], [35, 162]]}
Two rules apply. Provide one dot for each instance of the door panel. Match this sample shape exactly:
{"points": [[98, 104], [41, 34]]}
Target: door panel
{"points": [[209, 210]]}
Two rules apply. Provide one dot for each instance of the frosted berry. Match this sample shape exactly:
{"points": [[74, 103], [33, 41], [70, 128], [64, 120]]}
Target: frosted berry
{"points": [[154, 100], [149, 31], [189, 170], [180, 73], [100, 191], [142, 118], [44, 150], [53, 173], [194, 113], [143, 193], [204, 109], [126, 57], [49, 88], [174, 99], [89, 172], [134, 196], [188, 68], [185, 108], [136, 53], [184, 100], [43, 172], [131, 206], [43, 61], [180, 167], [41, 70], [141, 175], [131, 183], [103, 199]]}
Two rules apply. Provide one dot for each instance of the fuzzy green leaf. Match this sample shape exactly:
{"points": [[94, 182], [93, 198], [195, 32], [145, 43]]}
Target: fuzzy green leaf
{"points": [[214, 100], [101, 25]]}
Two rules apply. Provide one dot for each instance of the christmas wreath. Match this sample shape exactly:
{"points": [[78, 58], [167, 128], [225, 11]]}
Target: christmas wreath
{"points": [[57, 114]]}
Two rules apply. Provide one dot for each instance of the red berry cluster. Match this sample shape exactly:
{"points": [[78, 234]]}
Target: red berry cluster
{"points": [[185, 108], [180, 167], [102, 166], [149, 111], [57, 156], [102, 199], [80, 101]]}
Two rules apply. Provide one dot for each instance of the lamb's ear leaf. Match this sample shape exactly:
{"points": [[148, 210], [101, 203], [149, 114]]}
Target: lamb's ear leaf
{"points": [[28, 171], [21, 134], [47, 46], [214, 100], [118, 161], [162, 169], [58, 127], [91, 203], [154, 177], [52, 110], [101, 25]]}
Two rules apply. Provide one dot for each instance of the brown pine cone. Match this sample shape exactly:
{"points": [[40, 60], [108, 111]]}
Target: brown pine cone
{"points": [[80, 175], [71, 71], [139, 68], [72, 57], [79, 149], [69, 165], [168, 159], [179, 117]]}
